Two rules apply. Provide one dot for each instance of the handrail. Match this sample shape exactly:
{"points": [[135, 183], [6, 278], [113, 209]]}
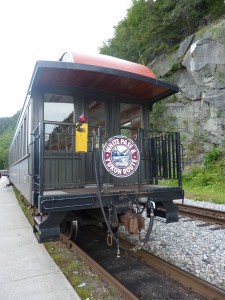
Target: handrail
{"points": [[160, 156]]}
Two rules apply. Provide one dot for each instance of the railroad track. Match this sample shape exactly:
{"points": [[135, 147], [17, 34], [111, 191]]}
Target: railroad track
{"points": [[200, 286], [109, 279], [187, 280], [205, 214]]}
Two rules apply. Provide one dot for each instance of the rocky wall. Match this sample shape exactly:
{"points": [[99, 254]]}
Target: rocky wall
{"points": [[198, 69]]}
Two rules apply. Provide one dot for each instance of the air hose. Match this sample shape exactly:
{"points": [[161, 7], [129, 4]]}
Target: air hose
{"points": [[150, 214]]}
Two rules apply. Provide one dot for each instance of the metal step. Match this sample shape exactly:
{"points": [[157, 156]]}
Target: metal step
{"points": [[40, 218], [47, 227]]}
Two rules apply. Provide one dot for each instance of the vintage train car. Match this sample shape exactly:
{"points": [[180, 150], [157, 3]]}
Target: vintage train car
{"points": [[83, 150], [4, 172]]}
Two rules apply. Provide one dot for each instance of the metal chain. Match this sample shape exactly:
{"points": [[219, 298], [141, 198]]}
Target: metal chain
{"points": [[109, 236], [110, 213]]}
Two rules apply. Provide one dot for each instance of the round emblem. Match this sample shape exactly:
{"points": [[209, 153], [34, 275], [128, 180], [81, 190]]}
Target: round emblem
{"points": [[120, 156]]}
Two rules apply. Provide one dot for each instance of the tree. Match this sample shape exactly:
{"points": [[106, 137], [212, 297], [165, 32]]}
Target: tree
{"points": [[7, 128], [152, 27]]}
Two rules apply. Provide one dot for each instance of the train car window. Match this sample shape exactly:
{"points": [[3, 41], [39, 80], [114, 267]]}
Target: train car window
{"points": [[96, 114], [59, 108], [21, 140], [130, 119], [24, 136]]}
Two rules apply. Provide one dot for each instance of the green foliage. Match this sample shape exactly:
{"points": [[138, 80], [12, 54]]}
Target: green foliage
{"points": [[195, 147], [7, 127], [207, 182], [219, 33], [213, 156], [131, 35], [159, 119], [201, 177], [152, 27], [215, 8]]}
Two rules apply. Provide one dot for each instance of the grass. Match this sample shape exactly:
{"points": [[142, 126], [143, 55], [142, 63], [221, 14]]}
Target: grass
{"points": [[214, 194], [79, 276], [205, 182], [206, 194]]}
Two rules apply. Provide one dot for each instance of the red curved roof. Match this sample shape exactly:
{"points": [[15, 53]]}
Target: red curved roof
{"points": [[106, 61]]}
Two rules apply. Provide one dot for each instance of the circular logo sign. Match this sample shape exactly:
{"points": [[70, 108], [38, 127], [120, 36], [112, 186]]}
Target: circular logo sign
{"points": [[120, 156]]}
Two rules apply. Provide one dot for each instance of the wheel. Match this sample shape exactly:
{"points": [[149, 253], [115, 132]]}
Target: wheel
{"points": [[70, 229]]}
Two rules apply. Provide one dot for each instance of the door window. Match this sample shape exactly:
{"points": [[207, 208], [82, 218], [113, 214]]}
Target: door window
{"points": [[130, 119], [59, 108]]}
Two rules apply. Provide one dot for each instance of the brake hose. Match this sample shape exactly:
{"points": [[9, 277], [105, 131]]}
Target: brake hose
{"points": [[141, 243]]}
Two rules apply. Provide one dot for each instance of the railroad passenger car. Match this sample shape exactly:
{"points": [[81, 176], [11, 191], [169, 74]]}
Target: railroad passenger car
{"points": [[4, 172], [83, 150]]}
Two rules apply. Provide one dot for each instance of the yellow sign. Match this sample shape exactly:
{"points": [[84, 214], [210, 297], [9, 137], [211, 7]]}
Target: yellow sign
{"points": [[81, 139]]}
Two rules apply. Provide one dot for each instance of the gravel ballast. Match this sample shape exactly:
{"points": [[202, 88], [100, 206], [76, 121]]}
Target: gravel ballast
{"points": [[193, 245]]}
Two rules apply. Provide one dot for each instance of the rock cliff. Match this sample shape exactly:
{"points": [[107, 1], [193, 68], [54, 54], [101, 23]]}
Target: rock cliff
{"points": [[198, 110]]}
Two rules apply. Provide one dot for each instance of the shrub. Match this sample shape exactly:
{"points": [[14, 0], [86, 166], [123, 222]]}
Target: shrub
{"points": [[212, 156]]}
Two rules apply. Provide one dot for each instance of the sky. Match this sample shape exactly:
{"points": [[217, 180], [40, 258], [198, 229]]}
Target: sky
{"points": [[32, 30]]}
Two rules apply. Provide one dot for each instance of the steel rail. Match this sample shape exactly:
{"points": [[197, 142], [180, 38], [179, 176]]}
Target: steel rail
{"points": [[200, 286], [209, 215], [109, 279]]}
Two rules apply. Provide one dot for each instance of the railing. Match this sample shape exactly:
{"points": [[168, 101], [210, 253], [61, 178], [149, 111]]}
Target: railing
{"points": [[57, 166], [161, 156]]}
